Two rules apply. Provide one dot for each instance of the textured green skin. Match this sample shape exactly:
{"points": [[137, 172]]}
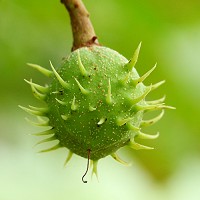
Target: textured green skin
{"points": [[80, 131]]}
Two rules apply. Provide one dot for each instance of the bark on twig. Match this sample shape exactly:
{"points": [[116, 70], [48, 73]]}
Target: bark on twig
{"points": [[82, 29]]}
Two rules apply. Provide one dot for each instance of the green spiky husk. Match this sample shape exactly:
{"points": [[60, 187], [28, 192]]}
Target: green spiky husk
{"points": [[81, 131], [95, 103]]}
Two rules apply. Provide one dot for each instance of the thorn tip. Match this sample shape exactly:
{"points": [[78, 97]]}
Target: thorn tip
{"points": [[74, 106], [44, 71], [101, 121], [133, 61], [83, 90], [137, 146], [61, 81], [69, 156], [118, 159], [57, 146], [150, 122], [80, 64], [142, 78], [109, 95]]}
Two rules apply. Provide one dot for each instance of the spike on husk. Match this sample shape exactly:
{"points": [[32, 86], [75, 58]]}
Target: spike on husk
{"points": [[141, 97], [121, 122], [82, 89], [118, 159], [91, 108], [61, 81], [69, 156], [37, 86], [47, 132], [101, 121], [158, 101], [81, 66], [150, 122], [142, 78], [50, 139], [133, 61], [65, 117], [147, 136], [109, 95], [61, 102], [157, 85], [37, 94], [137, 146], [44, 71], [40, 123], [95, 170], [74, 106], [57, 146]]}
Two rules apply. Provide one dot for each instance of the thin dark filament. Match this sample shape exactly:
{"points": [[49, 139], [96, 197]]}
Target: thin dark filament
{"points": [[88, 163]]}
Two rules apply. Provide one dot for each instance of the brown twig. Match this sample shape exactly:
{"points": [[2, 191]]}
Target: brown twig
{"points": [[82, 29]]}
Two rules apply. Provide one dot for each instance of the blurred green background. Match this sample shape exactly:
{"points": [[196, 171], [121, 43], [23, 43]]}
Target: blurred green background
{"points": [[39, 31]]}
